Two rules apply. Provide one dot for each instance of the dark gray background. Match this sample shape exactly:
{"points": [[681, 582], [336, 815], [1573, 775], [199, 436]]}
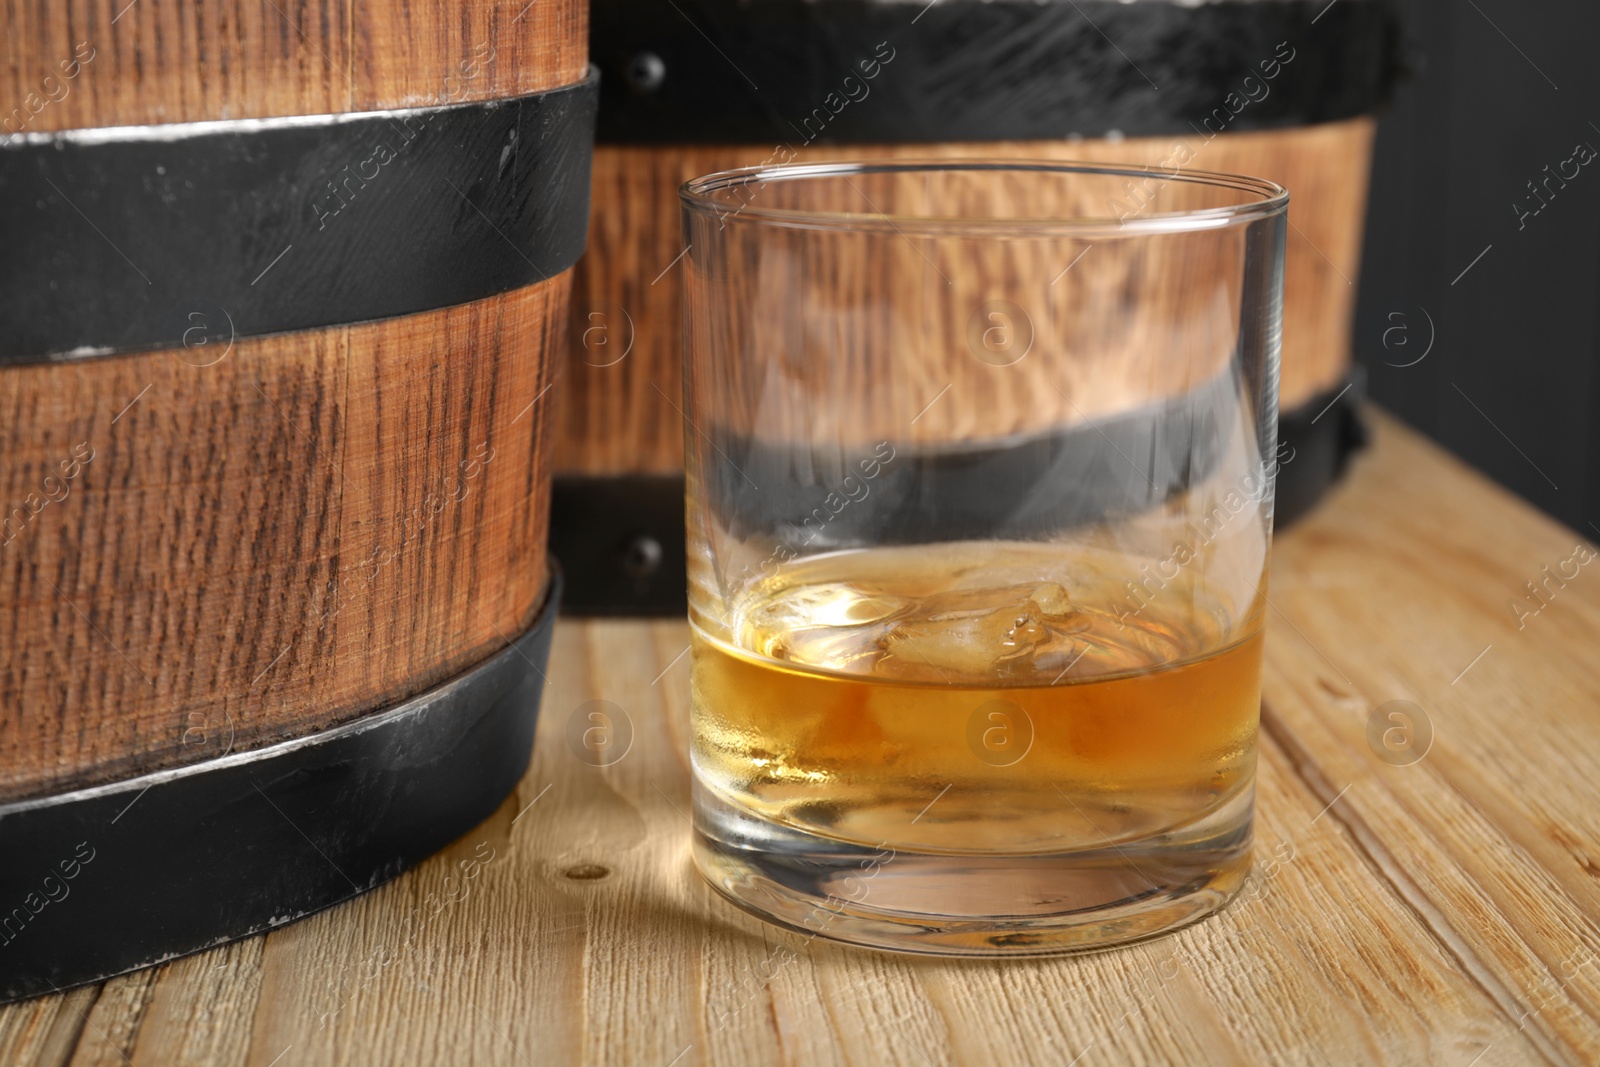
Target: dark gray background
{"points": [[1484, 112]]}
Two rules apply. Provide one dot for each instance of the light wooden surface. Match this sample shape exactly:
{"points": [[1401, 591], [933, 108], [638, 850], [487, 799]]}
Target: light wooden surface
{"points": [[1443, 912]]}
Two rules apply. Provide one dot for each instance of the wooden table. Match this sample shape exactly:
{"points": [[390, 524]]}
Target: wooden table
{"points": [[1441, 910]]}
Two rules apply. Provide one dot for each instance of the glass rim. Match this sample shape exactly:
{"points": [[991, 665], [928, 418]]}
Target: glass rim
{"points": [[698, 195]]}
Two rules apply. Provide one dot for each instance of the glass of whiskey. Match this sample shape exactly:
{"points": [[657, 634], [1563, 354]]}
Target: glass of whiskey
{"points": [[980, 467]]}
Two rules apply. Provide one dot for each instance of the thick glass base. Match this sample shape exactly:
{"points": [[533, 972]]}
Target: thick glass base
{"points": [[975, 904]]}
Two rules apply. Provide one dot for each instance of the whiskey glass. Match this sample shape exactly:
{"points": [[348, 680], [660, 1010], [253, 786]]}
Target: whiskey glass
{"points": [[980, 467]]}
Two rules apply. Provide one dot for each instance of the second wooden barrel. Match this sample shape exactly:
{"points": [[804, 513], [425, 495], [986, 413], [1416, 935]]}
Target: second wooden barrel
{"points": [[1282, 90]]}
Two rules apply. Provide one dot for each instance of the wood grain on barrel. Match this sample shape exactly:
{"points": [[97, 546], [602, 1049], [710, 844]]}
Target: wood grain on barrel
{"points": [[628, 287], [313, 525], [891, 331], [1442, 912], [254, 545], [160, 61]]}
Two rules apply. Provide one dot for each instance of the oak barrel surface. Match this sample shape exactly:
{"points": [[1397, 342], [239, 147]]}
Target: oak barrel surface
{"points": [[240, 539], [614, 418]]}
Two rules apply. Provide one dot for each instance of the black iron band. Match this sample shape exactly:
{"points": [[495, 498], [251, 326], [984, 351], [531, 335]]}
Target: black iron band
{"points": [[621, 539], [793, 72], [108, 880], [1317, 440], [1048, 480], [156, 236]]}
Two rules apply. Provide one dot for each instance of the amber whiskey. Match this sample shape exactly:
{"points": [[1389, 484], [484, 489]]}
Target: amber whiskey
{"points": [[981, 700]]}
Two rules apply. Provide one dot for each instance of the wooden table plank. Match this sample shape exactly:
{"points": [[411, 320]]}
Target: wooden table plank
{"points": [[1443, 912], [1407, 574], [45, 1029]]}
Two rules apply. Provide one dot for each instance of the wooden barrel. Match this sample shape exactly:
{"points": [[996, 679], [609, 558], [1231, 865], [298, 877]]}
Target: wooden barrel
{"points": [[1279, 90], [279, 313]]}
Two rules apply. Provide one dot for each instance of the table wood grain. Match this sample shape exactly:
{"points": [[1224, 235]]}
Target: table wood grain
{"points": [[1432, 897]]}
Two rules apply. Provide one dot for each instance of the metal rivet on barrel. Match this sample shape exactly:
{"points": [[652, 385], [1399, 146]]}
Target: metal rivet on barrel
{"points": [[642, 556], [646, 72]]}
